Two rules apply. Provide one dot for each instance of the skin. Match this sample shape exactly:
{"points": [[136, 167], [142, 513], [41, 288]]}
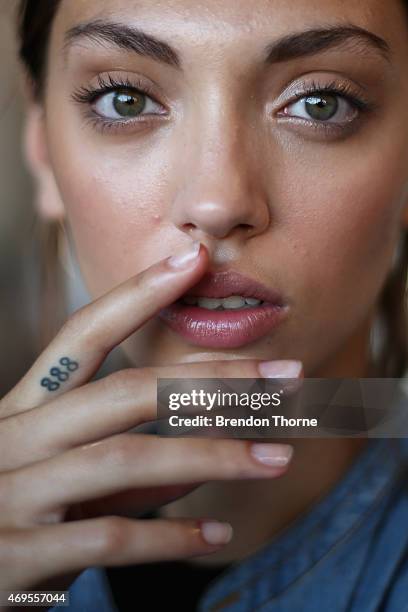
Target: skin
{"points": [[329, 206], [136, 197], [69, 477]]}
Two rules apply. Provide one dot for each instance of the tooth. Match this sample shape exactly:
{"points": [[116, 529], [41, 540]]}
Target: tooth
{"points": [[211, 303], [190, 300], [235, 301]]}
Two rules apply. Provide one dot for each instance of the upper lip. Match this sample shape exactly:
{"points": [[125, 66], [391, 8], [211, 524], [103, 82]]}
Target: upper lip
{"points": [[225, 284]]}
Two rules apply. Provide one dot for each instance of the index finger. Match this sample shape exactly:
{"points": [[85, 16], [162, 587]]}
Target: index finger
{"points": [[86, 338]]}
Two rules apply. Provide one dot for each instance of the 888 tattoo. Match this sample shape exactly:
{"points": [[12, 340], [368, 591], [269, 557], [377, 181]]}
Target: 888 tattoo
{"points": [[59, 375]]}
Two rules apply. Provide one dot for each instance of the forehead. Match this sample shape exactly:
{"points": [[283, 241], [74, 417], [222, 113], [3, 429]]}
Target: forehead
{"points": [[273, 15], [213, 30]]}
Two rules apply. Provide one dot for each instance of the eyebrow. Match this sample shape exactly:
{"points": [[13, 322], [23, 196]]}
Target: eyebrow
{"points": [[124, 37], [315, 40], [289, 47]]}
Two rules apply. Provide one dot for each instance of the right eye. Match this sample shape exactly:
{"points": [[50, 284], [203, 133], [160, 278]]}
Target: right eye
{"points": [[125, 104]]}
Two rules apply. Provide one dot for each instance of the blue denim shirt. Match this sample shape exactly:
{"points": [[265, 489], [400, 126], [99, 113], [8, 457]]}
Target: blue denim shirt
{"points": [[349, 552]]}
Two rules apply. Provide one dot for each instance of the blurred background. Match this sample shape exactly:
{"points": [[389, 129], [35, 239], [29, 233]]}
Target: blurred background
{"points": [[20, 275]]}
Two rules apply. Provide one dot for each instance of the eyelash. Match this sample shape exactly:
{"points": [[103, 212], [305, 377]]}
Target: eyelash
{"points": [[342, 89], [87, 96], [339, 89]]}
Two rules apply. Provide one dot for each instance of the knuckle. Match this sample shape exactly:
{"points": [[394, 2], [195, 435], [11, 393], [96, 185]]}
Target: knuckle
{"points": [[122, 450], [144, 282], [222, 369], [218, 458], [118, 384], [77, 323], [118, 451], [231, 459], [112, 535]]}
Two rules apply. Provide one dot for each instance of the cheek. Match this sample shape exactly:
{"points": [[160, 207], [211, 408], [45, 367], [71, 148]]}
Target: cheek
{"points": [[115, 209], [346, 228]]}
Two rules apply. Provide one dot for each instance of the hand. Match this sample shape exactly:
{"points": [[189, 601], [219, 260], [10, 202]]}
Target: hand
{"points": [[69, 466]]}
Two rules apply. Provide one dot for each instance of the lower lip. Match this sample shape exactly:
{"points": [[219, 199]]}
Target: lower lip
{"points": [[222, 328]]}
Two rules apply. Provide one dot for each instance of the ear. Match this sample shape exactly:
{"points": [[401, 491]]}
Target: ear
{"points": [[47, 198]]}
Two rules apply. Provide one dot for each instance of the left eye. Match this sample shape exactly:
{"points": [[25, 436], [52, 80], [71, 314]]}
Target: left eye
{"points": [[125, 104], [322, 107]]}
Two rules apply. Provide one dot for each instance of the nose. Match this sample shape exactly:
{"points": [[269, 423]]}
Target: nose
{"points": [[220, 192]]}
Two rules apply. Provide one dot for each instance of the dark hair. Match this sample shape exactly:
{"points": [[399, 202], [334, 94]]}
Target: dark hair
{"points": [[34, 23], [35, 18]]}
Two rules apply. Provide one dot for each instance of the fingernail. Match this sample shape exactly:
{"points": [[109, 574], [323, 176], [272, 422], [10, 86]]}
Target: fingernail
{"points": [[215, 532], [186, 256], [280, 369], [275, 455]]}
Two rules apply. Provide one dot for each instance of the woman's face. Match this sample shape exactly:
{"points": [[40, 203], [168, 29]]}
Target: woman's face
{"points": [[236, 145]]}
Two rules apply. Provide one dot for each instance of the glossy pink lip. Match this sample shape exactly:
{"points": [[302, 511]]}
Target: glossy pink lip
{"points": [[229, 328]]}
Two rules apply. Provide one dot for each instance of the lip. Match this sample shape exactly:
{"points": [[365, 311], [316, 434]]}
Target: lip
{"points": [[225, 284], [229, 328]]}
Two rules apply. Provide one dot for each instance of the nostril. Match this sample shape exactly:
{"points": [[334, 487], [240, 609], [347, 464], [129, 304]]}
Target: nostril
{"points": [[246, 227]]}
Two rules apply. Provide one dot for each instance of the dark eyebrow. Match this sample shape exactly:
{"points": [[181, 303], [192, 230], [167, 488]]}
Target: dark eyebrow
{"points": [[312, 41], [292, 46], [123, 37]]}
